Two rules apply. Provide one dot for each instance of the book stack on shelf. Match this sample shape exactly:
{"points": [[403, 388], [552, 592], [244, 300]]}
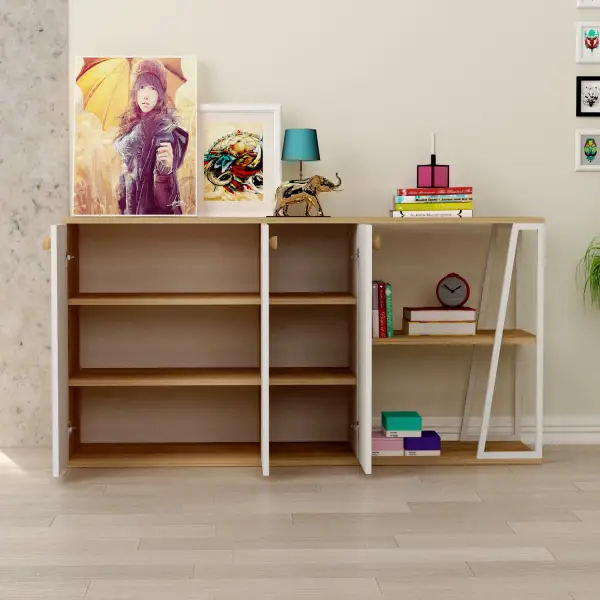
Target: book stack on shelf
{"points": [[383, 318], [402, 434], [451, 202], [439, 321]]}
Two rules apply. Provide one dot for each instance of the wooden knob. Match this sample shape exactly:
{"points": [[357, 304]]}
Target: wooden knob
{"points": [[376, 242], [46, 243], [273, 242]]}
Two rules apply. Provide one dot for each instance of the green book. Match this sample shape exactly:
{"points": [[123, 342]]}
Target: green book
{"points": [[401, 420], [389, 314]]}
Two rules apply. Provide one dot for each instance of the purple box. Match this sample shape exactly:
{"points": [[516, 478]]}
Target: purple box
{"points": [[429, 441]]}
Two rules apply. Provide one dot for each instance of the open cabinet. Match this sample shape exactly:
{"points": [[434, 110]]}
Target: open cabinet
{"points": [[198, 343]]}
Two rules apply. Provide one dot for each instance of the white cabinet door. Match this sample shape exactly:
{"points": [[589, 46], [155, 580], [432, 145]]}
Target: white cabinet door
{"points": [[264, 348], [60, 354], [364, 356]]}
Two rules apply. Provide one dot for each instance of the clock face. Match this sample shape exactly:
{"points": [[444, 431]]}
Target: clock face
{"points": [[453, 290]]}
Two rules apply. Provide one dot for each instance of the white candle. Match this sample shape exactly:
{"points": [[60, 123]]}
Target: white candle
{"points": [[433, 143]]}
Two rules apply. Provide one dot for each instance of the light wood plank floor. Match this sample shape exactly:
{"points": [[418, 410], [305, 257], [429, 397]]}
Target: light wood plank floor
{"points": [[418, 533]]}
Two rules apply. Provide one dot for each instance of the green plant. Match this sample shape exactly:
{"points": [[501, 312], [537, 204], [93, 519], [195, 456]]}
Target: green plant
{"points": [[590, 267]]}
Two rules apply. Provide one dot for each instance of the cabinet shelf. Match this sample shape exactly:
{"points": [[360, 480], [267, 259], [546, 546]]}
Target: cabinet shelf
{"points": [[128, 299], [312, 454], [484, 337], [164, 377], [312, 299], [312, 376], [166, 455], [460, 454]]}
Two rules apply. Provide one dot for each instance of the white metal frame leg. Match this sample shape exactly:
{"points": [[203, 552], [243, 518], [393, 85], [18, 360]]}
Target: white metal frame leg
{"points": [[504, 297], [482, 310]]}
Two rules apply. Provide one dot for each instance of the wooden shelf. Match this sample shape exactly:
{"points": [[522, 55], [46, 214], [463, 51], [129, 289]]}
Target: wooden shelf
{"points": [[164, 377], [461, 454], [301, 454], [130, 220], [165, 300], [165, 455], [312, 376], [311, 299], [484, 337], [312, 454]]}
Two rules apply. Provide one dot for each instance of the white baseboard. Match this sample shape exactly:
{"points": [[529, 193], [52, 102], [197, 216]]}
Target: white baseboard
{"points": [[557, 429]]}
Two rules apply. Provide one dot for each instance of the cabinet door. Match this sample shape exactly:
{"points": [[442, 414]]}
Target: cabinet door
{"points": [[60, 354], [364, 357], [264, 348]]}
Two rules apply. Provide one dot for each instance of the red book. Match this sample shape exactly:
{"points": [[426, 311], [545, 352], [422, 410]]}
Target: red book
{"points": [[382, 313], [434, 191]]}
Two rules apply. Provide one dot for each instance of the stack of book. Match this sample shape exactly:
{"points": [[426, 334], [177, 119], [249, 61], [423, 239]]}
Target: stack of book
{"points": [[383, 318], [434, 203], [402, 434], [439, 321]]}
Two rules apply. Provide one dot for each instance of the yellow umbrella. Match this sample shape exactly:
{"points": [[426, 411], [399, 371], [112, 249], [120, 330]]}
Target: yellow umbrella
{"points": [[106, 85]]}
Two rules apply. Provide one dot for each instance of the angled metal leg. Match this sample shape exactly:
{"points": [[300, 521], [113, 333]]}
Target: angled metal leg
{"points": [[508, 272], [482, 310]]}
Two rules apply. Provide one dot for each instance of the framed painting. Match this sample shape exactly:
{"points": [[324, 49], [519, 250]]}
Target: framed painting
{"points": [[134, 137], [587, 142], [587, 42], [588, 96], [588, 3], [241, 150]]}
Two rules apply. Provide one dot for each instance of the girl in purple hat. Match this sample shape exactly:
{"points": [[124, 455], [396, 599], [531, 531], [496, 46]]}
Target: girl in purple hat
{"points": [[151, 145]]}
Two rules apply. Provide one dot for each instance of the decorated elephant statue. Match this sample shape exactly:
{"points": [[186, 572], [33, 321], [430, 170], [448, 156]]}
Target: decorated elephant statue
{"points": [[303, 191]]}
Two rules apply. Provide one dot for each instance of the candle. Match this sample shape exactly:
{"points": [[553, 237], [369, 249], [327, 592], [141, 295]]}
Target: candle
{"points": [[433, 143]]}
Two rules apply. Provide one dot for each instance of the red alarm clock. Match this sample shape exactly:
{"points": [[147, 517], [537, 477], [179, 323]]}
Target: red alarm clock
{"points": [[453, 291]]}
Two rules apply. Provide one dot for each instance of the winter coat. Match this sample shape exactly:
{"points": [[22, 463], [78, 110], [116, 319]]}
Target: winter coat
{"points": [[146, 187]]}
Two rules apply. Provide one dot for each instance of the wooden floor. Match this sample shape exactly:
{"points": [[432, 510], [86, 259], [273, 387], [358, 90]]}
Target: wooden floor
{"points": [[414, 533]]}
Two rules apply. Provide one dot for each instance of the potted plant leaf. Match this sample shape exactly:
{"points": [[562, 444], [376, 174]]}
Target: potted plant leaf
{"points": [[589, 266]]}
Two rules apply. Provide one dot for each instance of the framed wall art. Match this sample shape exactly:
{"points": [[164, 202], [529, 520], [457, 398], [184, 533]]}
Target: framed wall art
{"points": [[134, 136], [588, 3], [588, 96], [241, 150], [587, 42], [587, 143]]}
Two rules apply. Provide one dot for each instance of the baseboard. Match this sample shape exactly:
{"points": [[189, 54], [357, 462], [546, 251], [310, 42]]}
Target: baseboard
{"points": [[557, 429]]}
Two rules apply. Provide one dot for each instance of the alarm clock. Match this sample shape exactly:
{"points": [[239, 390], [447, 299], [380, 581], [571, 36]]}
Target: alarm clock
{"points": [[453, 291]]}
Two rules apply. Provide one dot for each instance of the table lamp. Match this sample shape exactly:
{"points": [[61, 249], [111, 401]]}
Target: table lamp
{"points": [[433, 175], [301, 145]]}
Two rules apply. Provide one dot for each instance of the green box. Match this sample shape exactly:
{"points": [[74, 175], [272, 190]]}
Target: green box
{"points": [[401, 420]]}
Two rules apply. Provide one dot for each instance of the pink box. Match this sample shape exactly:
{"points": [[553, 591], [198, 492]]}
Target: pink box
{"points": [[384, 446]]}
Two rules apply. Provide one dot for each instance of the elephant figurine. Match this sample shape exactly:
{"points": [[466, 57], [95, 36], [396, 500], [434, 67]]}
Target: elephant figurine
{"points": [[303, 190]]}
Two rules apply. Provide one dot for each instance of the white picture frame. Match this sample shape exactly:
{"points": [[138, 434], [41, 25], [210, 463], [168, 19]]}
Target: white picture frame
{"points": [[588, 3], [587, 48], [219, 127], [583, 163]]}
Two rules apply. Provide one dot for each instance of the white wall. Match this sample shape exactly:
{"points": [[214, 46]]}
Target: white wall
{"points": [[495, 80]]}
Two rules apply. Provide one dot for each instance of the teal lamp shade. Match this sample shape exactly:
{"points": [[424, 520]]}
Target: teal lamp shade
{"points": [[300, 144]]}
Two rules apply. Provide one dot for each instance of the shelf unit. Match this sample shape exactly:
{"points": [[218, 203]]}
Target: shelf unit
{"points": [[239, 342]]}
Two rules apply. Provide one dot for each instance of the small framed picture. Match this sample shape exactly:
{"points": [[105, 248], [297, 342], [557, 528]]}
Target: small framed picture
{"points": [[588, 96], [588, 3], [587, 142], [588, 42], [241, 157]]}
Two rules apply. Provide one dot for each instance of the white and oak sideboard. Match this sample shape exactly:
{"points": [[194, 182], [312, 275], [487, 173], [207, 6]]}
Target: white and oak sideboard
{"points": [[247, 342]]}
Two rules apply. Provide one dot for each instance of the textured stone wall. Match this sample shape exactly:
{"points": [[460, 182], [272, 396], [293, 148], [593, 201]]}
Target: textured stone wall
{"points": [[34, 179]]}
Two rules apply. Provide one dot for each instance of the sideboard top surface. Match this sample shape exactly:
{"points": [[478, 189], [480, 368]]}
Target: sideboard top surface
{"points": [[126, 220]]}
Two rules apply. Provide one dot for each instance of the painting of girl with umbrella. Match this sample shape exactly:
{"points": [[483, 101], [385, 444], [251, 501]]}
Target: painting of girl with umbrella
{"points": [[135, 137]]}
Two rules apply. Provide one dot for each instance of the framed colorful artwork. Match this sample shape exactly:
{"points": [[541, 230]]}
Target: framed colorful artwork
{"points": [[588, 42], [588, 3], [241, 150], [134, 137], [587, 143], [588, 96]]}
